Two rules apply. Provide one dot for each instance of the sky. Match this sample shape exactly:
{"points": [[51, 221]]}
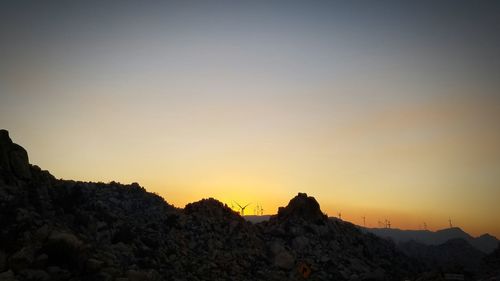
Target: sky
{"points": [[382, 109]]}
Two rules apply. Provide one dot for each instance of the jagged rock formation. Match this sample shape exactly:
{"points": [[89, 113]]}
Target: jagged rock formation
{"points": [[54, 229], [335, 250], [14, 164]]}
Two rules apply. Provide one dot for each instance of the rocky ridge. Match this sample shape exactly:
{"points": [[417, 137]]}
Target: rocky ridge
{"points": [[54, 229]]}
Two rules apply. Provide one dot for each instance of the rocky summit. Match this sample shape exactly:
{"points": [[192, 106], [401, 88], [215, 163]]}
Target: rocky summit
{"points": [[302, 207], [53, 229]]}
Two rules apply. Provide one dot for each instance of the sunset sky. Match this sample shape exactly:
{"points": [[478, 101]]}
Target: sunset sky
{"points": [[378, 109]]}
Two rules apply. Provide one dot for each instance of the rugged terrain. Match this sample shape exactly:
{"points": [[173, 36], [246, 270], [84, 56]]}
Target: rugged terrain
{"points": [[52, 229]]}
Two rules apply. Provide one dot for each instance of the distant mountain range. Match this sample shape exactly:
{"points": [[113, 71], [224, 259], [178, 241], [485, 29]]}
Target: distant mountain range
{"points": [[486, 243], [447, 256], [256, 219]]}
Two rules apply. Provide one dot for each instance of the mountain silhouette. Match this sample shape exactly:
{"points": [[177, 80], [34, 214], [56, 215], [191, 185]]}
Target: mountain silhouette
{"points": [[485, 243], [454, 254], [52, 229]]}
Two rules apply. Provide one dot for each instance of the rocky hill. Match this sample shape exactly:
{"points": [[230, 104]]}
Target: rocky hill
{"points": [[52, 229]]}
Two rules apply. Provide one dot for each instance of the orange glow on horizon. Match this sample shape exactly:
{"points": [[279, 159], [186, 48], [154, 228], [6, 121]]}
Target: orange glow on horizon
{"points": [[383, 115]]}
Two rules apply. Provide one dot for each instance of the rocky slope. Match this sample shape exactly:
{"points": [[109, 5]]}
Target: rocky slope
{"points": [[54, 229], [334, 249]]}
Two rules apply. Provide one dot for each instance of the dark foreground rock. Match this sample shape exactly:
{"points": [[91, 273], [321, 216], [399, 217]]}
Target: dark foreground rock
{"points": [[54, 229]]}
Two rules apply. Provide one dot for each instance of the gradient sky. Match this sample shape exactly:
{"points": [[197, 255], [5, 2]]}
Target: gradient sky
{"points": [[377, 108]]}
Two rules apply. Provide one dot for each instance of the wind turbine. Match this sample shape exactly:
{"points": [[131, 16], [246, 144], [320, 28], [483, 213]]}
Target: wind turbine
{"points": [[449, 221], [258, 210], [387, 223], [340, 215], [242, 212], [364, 221]]}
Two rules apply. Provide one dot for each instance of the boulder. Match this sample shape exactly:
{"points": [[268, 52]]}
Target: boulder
{"points": [[300, 243], [19, 162], [3, 261], [8, 276], [34, 275], [22, 258], [301, 207], [282, 258], [93, 265], [64, 248], [14, 162], [57, 273], [136, 275]]}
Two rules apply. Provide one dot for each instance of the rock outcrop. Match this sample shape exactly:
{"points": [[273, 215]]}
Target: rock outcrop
{"points": [[301, 208], [14, 163], [302, 237]]}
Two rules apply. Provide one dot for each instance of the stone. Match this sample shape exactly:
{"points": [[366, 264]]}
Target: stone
{"points": [[112, 271], [103, 276], [65, 248], [13, 158], [65, 239], [300, 243], [93, 265], [276, 247], [19, 162], [42, 232], [136, 275], [22, 258], [57, 273], [284, 260], [301, 207], [3, 261], [34, 275], [8, 276], [377, 274], [41, 261], [281, 257], [5, 144]]}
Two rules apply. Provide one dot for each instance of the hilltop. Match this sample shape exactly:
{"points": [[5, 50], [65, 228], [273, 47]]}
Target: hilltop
{"points": [[52, 229]]}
